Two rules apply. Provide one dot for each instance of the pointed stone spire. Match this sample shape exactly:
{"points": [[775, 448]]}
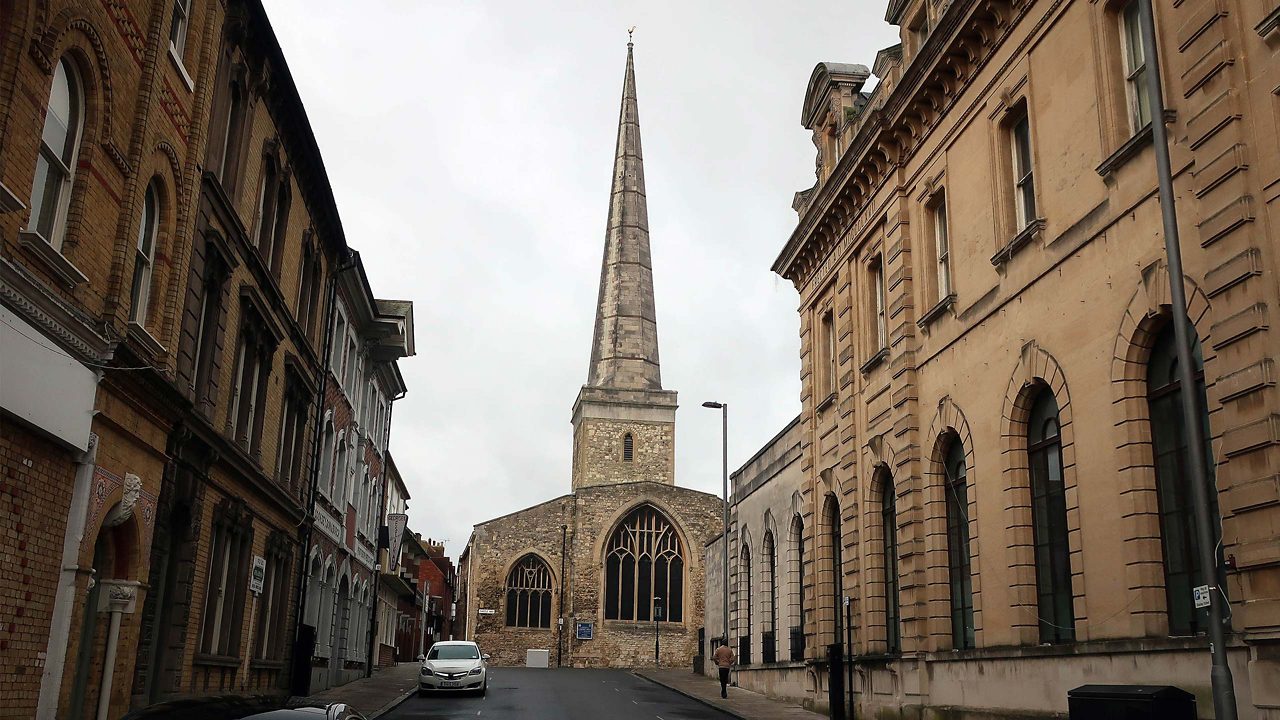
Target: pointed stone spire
{"points": [[624, 350]]}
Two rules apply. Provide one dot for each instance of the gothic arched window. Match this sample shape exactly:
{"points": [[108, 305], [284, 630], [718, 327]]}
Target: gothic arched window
{"points": [[644, 569], [529, 594]]}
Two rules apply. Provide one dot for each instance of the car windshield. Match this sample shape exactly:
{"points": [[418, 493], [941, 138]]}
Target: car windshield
{"points": [[453, 652]]}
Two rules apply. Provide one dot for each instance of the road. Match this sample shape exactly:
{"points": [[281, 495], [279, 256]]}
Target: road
{"points": [[560, 694]]}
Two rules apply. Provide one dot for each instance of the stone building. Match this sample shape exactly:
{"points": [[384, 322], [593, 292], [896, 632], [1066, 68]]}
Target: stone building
{"points": [[766, 544], [583, 575], [168, 232], [994, 468]]}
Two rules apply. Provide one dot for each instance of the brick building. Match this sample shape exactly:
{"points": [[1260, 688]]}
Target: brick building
{"points": [[993, 464], [584, 574], [168, 238], [367, 336]]}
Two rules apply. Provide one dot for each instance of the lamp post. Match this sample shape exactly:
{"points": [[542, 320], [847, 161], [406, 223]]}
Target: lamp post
{"points": [[1221, 682], [657, 610], [724, 446]]}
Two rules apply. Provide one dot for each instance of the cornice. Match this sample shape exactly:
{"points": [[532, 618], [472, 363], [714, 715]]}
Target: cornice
{"points": [[965, 37], [39, 306]]}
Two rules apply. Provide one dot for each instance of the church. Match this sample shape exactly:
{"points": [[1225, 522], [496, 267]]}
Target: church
{"points": [[591, 576]]}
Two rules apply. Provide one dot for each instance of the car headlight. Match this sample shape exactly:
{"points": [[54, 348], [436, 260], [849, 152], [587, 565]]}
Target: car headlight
{"points": [[474, 671], [426, 671]]}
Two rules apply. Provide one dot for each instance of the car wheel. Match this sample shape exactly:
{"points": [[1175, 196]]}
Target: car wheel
{"points": [[484, 689]]}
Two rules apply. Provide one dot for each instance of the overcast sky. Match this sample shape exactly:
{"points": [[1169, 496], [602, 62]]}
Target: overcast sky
{"points": [[470, 146]]}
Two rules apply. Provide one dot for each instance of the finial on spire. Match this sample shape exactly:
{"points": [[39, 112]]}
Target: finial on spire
{"points": [[630, 30]]}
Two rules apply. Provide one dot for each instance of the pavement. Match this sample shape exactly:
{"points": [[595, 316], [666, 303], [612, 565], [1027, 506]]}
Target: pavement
{"points": [[743, 704], [376, 695], [560, 694]]}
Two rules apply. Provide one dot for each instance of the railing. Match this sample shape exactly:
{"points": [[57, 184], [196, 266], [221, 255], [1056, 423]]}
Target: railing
{"points": [[797, 643], [744, 650], [768, 647]]}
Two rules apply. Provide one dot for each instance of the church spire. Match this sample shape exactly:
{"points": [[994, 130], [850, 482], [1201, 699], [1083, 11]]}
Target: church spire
{"points": [[624, 350]]}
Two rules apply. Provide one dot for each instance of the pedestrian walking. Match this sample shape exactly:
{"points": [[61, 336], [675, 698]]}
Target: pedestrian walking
{"points": [[724, 659]]}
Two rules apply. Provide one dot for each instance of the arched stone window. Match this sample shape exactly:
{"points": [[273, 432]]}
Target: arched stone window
{"points": [[958, 558], [1178, 535], [744, 605], [56, 163], [529, 594], [644, 561], [834, 565], [769, 576], [889, 558], [628, 447], [1049, 522], [795, 573]]}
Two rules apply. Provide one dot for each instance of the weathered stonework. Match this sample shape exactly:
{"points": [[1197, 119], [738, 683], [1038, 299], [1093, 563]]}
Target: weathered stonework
{"points": [[623, 460]]}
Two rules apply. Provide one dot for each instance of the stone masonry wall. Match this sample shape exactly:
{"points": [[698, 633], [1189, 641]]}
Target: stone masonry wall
{"points": [[598, 452]]}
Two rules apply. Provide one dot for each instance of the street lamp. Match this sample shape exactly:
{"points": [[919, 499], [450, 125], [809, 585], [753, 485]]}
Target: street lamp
{"points": [[657, 611], [724, 445]]}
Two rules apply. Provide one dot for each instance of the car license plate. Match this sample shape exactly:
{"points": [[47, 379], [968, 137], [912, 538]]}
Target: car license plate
{"points": [[451, 683]]}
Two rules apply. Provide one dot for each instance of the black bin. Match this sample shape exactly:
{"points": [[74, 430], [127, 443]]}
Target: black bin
{"points": [[1130, 702]]}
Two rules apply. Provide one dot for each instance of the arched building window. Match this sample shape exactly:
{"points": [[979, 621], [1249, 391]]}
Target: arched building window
{"points": [[1178, 534], [628, 447], [889, 548], [1049, 522], [958, 557], [643, 561], [744, 605], [144, 257], [768, 634], [834, 570], [795, 572], [56, 163], [529, 594]]}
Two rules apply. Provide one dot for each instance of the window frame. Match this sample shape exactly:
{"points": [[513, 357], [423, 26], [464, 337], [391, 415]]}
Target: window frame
{"points": [[645, 530], [959, 544], [941, 246], [49, 216], [880, 303], [179, 24], [144, 256], [1023, 167], [1136, 96], [889, 559], [1049, 524], [525, 579]]}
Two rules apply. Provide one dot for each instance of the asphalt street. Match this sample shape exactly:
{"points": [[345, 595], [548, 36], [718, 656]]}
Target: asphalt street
{"points": [[560, 694]]}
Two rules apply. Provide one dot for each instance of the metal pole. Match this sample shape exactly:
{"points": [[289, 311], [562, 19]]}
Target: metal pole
{"points": [[724, 443], [1224, 699], [656, 662], [564, 539]]}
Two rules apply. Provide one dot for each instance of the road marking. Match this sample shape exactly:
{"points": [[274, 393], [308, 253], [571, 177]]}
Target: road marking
{"points": [[633, 702], [658, 716]]}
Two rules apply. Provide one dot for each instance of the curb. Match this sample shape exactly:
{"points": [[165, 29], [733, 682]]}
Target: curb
{"points": [[391, 705], [727, 711]]}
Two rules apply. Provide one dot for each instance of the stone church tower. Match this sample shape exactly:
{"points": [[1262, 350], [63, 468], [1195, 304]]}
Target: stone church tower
{"points": [[624, 423], [585, 575]]}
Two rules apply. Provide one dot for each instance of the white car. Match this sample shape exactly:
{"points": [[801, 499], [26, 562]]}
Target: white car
{"points": [[454, 666]]}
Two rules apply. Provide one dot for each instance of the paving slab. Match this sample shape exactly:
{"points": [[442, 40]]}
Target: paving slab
{"points": [[741, 703], [376, 695]]}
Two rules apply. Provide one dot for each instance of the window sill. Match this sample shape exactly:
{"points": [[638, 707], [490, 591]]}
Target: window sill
{"points": [[1024, 236], [266, 664], [8, 201], [1269, 24], [146, 339], [827, 402], [1127, 151], [881, 355], [216, 660], [936, 311], [54, 261], [182, 70]]}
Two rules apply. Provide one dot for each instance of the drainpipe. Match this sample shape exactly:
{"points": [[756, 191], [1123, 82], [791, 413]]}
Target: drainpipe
{"points": [[308, 520]]}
